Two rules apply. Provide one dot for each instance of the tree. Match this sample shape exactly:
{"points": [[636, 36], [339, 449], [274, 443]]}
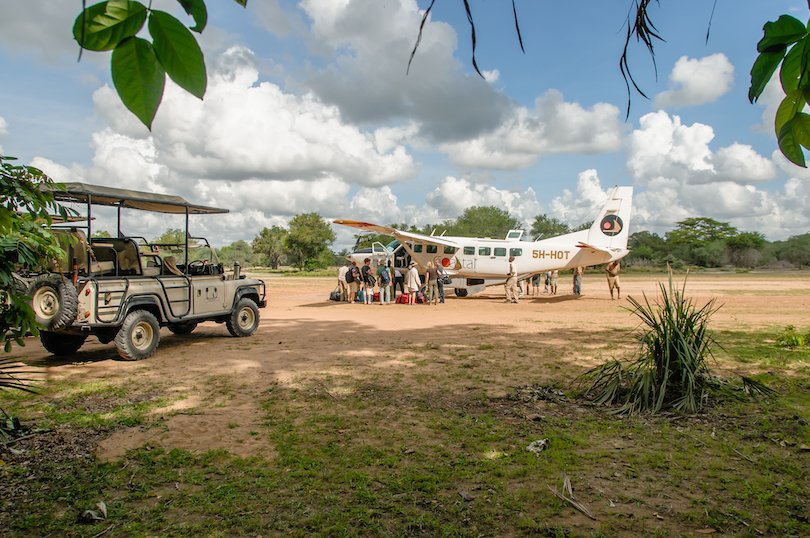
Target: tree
{"points": [[795, 249], [646, 248], [238, 251], [101, 234], [544, 227], [483, 221], [172, 236], [308, 241], [745, 248], [271, 244], [139, 67], [698, 231], [26, 243]]}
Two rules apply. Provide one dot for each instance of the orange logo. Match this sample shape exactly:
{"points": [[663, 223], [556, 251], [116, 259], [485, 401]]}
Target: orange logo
{"points": [[611, 225]]}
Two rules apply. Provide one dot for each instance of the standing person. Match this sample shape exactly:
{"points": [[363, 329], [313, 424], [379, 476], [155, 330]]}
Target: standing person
{"points": [[353, 278], [553, 279], [412, 282], [431, 283], [384, 278], [536, 285], [442, 274], [343, 285], [578, 280], [368, 281], [399, 280], [511, 285], [612, 271], [548, 281]]}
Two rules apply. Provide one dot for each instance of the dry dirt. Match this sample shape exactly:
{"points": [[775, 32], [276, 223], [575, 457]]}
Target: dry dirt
{"points": [[217, 381]]}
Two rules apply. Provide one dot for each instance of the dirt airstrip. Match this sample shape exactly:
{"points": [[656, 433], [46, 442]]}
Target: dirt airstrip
{"points": [[213, 379]]}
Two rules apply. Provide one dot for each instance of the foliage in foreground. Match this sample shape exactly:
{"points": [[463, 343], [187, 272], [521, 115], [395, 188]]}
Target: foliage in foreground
{"points": [[671, 368]]}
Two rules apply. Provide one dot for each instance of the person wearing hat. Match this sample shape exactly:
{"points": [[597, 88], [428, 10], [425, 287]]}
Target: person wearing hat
{"points": [[412, 282]]}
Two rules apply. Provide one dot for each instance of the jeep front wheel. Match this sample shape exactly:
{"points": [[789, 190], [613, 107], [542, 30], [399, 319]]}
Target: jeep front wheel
{"points": [[54, 301], [138, 337], [244, 318], [60, 343]]}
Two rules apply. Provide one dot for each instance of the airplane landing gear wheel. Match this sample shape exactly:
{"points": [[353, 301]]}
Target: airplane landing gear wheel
{"points": [[460, 292]]}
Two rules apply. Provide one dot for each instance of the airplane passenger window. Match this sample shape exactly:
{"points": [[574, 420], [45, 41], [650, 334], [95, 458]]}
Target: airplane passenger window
{"points": [[469, 251], [452, 250], [417, 248], [432, 249], [500, 252], [516, 252], [484, 251]]}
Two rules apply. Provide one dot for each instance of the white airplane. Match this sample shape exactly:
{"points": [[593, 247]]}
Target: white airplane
{"points": [[474, 263]]}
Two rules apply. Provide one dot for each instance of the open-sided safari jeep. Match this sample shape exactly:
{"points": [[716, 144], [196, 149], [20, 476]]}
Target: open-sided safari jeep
{"points": [[125, 288]]}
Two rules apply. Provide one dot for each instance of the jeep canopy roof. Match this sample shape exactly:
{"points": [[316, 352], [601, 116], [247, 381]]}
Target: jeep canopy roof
{"points": [[147, 201]]}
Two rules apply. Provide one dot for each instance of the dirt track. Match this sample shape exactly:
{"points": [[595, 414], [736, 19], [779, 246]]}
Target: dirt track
{"points": [[217, 380]]}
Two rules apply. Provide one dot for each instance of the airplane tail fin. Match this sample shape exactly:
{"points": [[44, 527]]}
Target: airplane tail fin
{"points": [[611, 228]]}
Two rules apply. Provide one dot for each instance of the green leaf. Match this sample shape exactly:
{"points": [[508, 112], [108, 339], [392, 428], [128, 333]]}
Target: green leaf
{"points": [[197, 9], [792, 66], [795, 134], [242, 3], [103, 26], [762, 71], [785, 31], [178, 52], [138, 78], [792, 104]]}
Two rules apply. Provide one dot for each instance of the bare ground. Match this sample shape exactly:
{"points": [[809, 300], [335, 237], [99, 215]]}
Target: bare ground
{"points": [[306, 341]]}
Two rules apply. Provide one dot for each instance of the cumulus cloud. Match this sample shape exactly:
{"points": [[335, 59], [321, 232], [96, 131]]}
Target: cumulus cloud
{"points": [[697, 81], [664, 147], [43, 26], [454, 195], [580, 206], [447, 103], [246, 129], [553, 126]]}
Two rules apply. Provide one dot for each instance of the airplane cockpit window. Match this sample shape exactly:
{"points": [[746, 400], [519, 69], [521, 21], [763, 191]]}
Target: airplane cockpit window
{"points": [[417, 248], [431, 249], [469, 251], [516, 252], [450, 250], [392, 246], [500, 251], [484, 251]]}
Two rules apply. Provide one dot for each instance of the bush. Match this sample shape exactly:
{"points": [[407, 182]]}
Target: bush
{"points": [[791, 338], [670, 369]]}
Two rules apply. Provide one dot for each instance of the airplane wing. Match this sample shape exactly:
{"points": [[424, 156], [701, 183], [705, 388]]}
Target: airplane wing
{"points": [[399, 234]]}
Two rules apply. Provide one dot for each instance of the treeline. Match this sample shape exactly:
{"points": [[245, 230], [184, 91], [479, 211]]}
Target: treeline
{"points": [[699, 241], [705, 242]]}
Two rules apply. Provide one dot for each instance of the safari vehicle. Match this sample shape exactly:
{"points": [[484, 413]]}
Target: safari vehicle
{"points": [[125, 288]]}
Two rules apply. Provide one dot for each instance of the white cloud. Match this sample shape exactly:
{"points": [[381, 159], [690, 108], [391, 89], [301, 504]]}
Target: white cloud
{"points": [[553, 126], [454, 195], [43, 26], [581, 205], [697, 81], [740, 163]]}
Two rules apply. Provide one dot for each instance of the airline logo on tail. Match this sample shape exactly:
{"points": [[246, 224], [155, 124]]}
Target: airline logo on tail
{"points": [[611, 225]]}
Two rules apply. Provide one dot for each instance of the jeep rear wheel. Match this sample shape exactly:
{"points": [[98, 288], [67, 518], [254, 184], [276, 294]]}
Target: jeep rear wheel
{"points": [[54, 301], [244, 318], [60, 343], [138, 337], [183, 328]]}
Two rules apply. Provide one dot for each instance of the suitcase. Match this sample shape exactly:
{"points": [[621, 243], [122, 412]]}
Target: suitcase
{"points": [[335, 295], [402, 299]]}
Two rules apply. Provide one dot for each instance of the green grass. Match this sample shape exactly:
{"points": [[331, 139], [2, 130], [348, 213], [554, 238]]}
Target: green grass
{"points": [[390, 458]]}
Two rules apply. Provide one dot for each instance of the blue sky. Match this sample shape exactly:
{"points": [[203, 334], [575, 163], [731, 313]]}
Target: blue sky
{"points": [[309, 108]]}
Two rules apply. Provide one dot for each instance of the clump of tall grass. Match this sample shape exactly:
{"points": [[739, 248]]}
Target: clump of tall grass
{"points": [[791, 338], [670, 370]]}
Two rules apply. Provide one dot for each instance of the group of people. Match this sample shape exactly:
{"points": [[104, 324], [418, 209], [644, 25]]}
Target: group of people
{"points": [[513, 288], [358, 284]]}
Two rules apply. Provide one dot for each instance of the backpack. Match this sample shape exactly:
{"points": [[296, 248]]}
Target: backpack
{"points": [[368, 278], [385, 278], [350, 275]]}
